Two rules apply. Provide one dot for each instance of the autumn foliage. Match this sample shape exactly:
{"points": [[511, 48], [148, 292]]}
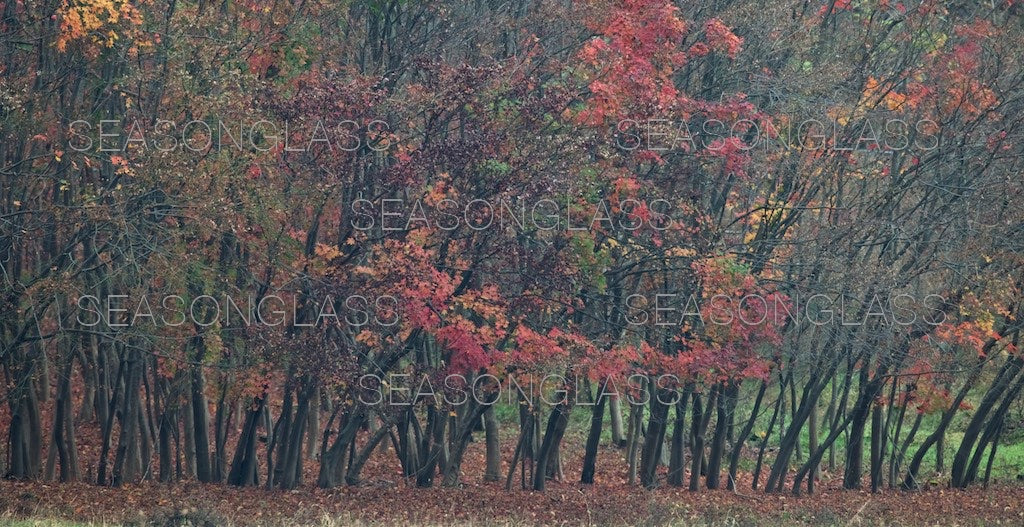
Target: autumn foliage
{"points": [[315, 243]]}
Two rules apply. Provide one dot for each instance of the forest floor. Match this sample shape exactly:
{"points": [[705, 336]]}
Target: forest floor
{"points": [[489, 504], [386, 498]]}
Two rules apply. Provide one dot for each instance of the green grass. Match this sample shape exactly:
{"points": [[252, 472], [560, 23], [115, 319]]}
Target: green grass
{"points": [[1008, 463], [44, 522]]}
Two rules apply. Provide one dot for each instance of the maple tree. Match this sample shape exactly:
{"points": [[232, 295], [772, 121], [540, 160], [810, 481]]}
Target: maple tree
{"points": [[278, 244]]}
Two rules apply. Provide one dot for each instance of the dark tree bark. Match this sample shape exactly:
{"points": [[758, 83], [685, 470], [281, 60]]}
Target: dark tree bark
{"points": [[723, 423], [243, 464], [701, 417], [737, 448], [557, 422], [492, 470], [654, 439], [594, 436], [676, 463], [129, 419]]}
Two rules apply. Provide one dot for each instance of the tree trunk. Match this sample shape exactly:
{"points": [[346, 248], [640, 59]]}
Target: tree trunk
{"points": [[594, 436], [557, 422], [655, 436], [200, 425], [129, 419], [615, 411], [699, 428], [244, 462], [737, 448], [492, 472], [722, 425], [677, 454], [959, 470], [876, 448]]}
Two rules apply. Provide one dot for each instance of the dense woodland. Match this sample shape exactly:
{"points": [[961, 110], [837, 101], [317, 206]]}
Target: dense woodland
{"points": [[740, 241]]}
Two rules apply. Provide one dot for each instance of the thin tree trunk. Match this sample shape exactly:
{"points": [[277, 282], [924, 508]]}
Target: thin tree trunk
{"points": [[701, 417], [557, 422], [737, 448], [677, 462], [657, 424], [722, 424], [129, 419], [615, 411], [594, 436], [492, 471]]}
